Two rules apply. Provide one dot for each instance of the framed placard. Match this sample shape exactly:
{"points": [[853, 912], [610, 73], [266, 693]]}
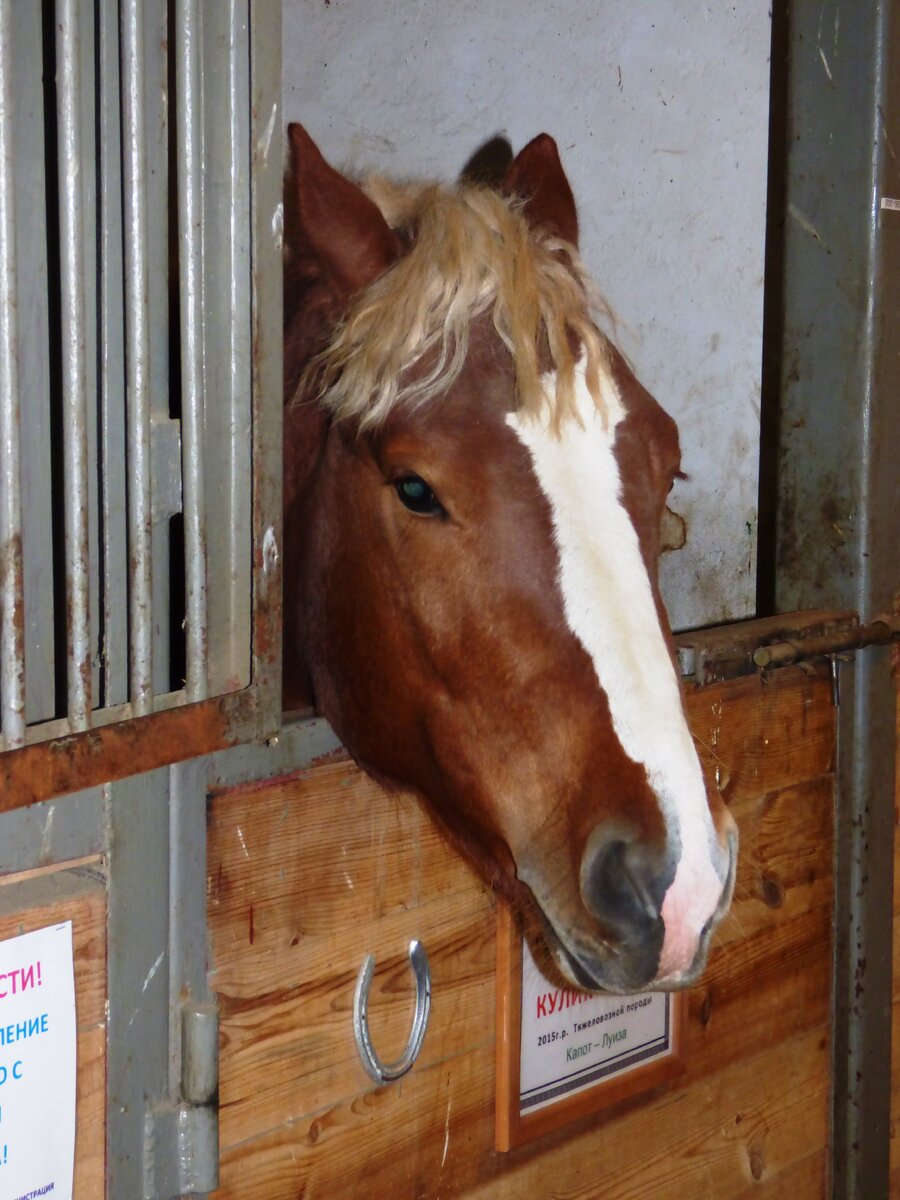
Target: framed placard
{"points": [[562, 1053]]}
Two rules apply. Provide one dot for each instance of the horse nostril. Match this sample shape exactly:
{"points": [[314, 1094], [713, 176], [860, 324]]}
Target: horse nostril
{"points": [[624, 882]]}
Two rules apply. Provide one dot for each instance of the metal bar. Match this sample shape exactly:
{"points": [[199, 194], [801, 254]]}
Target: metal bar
{"points": [[227, 339], [12, 601], [137, 349], [113, 523], [726, 651], [74, 366], [878, 633], [190, 167], [34, 361], [832, 443], [266, 299], [240, 446]]}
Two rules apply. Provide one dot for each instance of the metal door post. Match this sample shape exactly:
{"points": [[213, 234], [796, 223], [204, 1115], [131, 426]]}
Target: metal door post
{"points": [[830, 487]]}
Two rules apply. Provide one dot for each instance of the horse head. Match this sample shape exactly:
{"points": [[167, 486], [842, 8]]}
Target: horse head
{"points": [[474, 488]]}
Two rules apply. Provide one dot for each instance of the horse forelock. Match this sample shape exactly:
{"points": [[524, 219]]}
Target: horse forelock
{"points": [[404, 339]]}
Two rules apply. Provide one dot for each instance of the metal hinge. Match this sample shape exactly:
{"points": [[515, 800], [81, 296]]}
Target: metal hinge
{"points": [[181, 1139]]}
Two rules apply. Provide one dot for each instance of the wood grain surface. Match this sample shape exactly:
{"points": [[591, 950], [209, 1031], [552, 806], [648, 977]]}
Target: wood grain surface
{"points": [[308, 875]]}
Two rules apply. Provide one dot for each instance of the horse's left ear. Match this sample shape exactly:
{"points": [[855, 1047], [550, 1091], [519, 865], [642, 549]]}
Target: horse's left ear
{"points": [[334, 222], [536, 174]]}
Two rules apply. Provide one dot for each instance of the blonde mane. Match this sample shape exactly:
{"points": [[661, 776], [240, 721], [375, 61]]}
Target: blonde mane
{"points": [[471, 252]]}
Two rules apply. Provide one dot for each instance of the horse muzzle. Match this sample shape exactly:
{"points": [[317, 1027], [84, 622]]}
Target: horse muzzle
{"points": [[651, 918]]}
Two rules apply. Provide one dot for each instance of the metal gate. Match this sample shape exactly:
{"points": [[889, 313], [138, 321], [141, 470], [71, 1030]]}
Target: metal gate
{"points": [[140, 167]]}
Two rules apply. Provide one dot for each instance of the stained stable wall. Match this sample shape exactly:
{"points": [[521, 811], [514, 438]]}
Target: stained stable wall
{"points": [[660, 111]]}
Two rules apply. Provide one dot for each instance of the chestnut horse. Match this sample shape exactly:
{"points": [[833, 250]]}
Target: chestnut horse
{"points": [[474, 484]]}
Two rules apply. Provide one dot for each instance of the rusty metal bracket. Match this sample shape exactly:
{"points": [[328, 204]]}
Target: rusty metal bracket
{"points": [[879, 632], [725, 652]]}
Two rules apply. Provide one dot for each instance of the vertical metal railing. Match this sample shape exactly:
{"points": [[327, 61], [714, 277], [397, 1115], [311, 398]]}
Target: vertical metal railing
{"points": [[73, 228], [113, 472], [137, 352], [228, 334], [189, 169], [129, 400], [12, 631], [239, 324]]}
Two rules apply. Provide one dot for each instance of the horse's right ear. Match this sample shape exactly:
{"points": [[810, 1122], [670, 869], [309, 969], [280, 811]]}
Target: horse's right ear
{"points": [[333, 222], [536, 175]]}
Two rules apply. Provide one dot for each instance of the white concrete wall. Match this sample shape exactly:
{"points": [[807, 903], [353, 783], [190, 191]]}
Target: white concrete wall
{"points": [[660, 109]]}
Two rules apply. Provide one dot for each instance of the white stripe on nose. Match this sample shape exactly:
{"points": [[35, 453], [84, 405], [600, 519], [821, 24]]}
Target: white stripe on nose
{"points": [[609, 606]]}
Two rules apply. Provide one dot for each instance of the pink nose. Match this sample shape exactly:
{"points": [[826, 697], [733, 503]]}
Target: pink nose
{"points": [[696, 896], [656, 902]]}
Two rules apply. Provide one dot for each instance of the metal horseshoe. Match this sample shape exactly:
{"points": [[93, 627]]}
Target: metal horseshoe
{"points": [[380, 1071]]}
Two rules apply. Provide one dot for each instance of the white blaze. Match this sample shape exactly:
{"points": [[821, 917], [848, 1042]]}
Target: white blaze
{"points": [[609, 606]]}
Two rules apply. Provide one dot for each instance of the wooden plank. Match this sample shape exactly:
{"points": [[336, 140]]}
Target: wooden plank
{"points": [[90, 1129], [749, 1123], [760, 991], [895, 1090], [307, 875], [785, 863], [804, 1180], [311, 857], [286, 1013], [764, 732], [295, 1056], [293, 1051], [80, 897]]}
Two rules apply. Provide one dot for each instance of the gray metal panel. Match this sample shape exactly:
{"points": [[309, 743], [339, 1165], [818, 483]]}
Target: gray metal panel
{"points": [[138, 971], [188, 982], [297, 744], [55, 831], [833, 447], [158, 1140]]}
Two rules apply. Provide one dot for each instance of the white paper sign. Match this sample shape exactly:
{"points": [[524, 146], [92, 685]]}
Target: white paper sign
{"points": [[37, 1065], [571, 1041]]}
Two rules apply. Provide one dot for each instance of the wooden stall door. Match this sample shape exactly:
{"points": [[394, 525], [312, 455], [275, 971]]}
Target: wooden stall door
{"points": [[308, 874]]}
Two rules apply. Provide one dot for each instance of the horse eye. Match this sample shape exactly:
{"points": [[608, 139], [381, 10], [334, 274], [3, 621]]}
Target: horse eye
{"points": [[417, 496]]}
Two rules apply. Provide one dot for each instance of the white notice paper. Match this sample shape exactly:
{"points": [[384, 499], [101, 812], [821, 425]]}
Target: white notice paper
{"points": [[37, 1065], [571, 1041]]}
